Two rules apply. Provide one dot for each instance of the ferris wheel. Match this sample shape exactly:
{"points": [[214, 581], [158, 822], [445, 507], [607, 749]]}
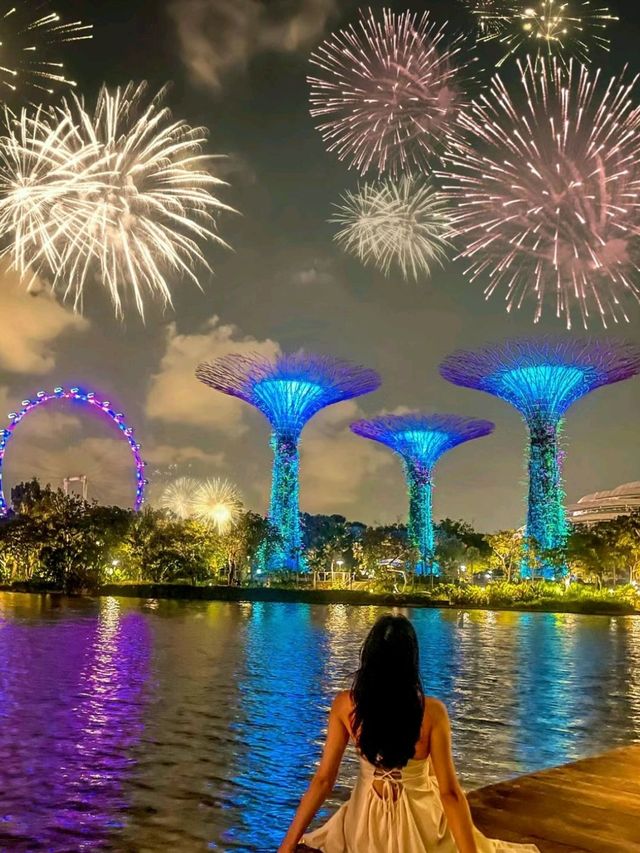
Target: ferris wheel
{"points": [[74, 474]]}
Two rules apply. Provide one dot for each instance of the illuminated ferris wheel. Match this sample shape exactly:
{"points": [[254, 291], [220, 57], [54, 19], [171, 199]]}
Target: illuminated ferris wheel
{"points": [[74, 473]]}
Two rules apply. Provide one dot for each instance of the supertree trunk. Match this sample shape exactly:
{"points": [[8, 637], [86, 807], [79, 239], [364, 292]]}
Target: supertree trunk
{"points": [[284, 511], [421, 536], [546, 517]]}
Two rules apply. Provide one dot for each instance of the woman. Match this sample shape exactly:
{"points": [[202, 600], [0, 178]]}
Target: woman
{"points": [[407, 798]]}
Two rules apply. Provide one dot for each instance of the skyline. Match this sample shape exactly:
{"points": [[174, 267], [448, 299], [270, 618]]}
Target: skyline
{"points": [[286, 285]]}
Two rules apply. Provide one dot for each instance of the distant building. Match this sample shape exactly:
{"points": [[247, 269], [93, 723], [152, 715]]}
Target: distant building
{"points": [[605, 506]]}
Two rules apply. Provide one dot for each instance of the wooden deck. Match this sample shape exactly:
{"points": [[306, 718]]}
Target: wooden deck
{"points": [[591, 806]]}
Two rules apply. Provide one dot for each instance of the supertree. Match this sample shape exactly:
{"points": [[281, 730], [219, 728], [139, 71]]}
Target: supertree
{"points": [[289, 390], [420, 440], [542, 378]]}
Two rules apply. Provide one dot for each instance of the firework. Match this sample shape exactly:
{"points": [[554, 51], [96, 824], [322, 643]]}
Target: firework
{"points": [[547, 28], [121, 194], [218, 503], [31, 38], [179, 497], [546, 196], [400, 223], [389, 91], [491, 16], [41, 179]]}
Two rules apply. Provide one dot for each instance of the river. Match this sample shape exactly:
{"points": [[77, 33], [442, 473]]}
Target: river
{"points": [[136, 725]]}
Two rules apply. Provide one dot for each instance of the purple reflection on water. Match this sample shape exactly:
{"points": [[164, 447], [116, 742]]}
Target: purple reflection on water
{"points": [[71, 699]]}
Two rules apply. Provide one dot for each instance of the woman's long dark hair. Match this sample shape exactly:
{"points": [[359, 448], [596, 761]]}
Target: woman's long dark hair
{"points": [[387, 694]]}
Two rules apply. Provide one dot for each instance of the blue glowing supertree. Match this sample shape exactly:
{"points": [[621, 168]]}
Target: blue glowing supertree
{"points": [[421, 440], [289, 390], [542, 378]]}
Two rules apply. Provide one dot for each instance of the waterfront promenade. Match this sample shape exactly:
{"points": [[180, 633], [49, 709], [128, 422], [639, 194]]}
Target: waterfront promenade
{"points": [[590, 806]]}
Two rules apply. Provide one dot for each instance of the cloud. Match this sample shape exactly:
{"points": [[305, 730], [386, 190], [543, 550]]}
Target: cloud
{"points": [[336, 465], [218, 36], [177, 397], [316, 274], [32, 322]]}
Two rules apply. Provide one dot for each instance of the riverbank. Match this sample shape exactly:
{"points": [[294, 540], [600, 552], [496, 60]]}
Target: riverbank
{"points": [[605, 606], [589, 806]]}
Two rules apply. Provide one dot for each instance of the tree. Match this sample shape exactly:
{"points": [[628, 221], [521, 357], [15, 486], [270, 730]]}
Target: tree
{"points": [[382, 552], [252, 540], [329, 538], [506, 552], [593, 554]]}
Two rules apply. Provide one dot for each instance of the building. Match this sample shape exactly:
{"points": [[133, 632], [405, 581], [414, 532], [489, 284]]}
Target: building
{"points": [[605, 506]]}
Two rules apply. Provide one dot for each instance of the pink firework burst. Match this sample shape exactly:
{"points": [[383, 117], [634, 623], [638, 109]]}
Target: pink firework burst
{"points": [[390, 91], [546, 194]]}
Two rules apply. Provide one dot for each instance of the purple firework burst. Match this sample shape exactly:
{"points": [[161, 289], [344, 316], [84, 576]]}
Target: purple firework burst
{"points": [[389, 91], [548, 192]]}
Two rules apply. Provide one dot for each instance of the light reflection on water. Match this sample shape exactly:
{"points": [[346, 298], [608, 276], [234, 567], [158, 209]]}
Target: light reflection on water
{"points": [[139, 726]]}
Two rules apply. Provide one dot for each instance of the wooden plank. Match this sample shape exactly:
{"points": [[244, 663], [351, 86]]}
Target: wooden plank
{"points": [[590, 806]]}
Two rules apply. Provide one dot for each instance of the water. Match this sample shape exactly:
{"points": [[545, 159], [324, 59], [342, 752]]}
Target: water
{"points": [[142, 725]]}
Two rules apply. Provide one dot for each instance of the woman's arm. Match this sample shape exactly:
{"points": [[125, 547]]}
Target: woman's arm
{"points": [[324, 778], [454, 802]]}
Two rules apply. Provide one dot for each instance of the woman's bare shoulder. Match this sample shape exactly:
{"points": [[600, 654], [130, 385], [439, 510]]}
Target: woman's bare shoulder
{"points": [[435, 710], [343, 702]]}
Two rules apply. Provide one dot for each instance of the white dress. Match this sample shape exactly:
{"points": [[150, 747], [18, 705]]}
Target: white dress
{"points": [[404, 815]]}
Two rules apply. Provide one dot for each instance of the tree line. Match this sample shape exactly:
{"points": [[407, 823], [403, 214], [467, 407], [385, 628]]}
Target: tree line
{"points": [[63, 541]]}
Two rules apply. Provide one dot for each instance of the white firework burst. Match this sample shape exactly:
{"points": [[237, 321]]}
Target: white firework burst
{"points": [[179, 497], [121, 194], [217, 502], [395, 223]]}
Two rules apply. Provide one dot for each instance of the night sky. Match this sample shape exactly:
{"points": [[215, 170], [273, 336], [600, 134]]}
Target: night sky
{"points": [[239, 67]]}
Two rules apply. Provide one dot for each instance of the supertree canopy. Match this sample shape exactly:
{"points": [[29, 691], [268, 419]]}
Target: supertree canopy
{"points": [[542, 379], [289, 390], [421, 439]]}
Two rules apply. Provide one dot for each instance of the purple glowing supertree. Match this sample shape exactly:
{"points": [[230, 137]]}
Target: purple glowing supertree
{"points": [[389, 91], [542, 379], [420, 440], [544, 187], [289, 390]]}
